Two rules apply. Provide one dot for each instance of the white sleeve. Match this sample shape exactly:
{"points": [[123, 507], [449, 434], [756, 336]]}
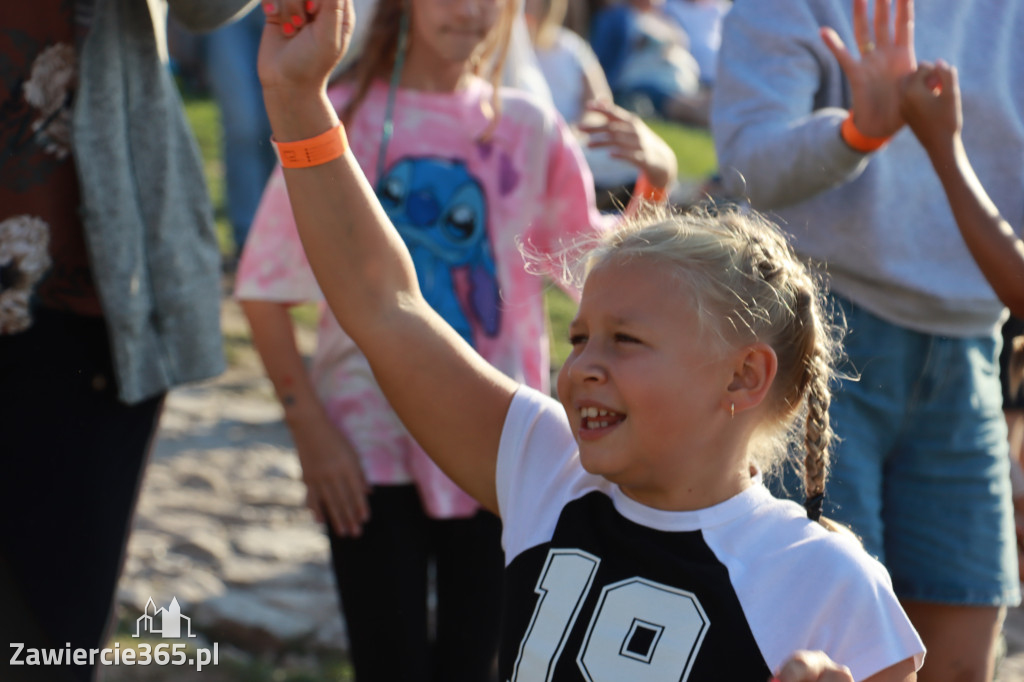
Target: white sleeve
{"points": [[859, 622], [538, 470], [803, 587]]}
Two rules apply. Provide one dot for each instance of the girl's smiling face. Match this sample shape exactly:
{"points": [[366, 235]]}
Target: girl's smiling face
{"points": [[645, 389]]}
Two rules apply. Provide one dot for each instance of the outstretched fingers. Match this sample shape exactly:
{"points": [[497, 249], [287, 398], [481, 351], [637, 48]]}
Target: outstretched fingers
{"points": [[608, 109], [903, 30], [883, 37], [615, 128], [847, 62], [876, 77], [861, 28]]}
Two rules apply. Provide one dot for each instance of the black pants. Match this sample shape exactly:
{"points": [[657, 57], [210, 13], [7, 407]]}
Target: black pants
{"points": [[71, 458], [382, 579]]}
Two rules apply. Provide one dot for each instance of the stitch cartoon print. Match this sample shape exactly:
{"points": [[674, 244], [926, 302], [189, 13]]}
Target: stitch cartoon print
{"points": [[441, 212]]}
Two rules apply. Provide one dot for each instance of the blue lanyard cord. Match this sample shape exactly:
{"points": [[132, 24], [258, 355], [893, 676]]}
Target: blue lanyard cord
{"points": [[396, 75]]}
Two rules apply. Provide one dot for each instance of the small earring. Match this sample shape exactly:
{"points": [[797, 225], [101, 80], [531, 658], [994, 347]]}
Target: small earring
{"points": [[732, 410]]}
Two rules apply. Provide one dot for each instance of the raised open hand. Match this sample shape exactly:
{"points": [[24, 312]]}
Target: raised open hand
{"points": [[302, 42], [886, 58]]}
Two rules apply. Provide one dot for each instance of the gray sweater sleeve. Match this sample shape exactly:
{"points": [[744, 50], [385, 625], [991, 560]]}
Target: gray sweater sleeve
{"points": [[778, 103], [206, 15]]}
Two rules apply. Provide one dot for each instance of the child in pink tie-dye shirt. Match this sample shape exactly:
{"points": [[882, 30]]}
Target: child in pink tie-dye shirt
{"points": [[470, 176]]}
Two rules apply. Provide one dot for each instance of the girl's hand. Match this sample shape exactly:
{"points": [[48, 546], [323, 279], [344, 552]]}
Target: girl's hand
{"points": [[336, 490], [302, 42], [629, 139], [886, 58], [931, 104], [812, 666]]}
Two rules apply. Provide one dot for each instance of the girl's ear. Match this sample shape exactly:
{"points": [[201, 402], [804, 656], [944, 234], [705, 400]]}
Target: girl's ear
{"points": [[753, 375]]}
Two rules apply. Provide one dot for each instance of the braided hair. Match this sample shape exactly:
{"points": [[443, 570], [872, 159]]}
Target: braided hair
{"points": [[750, 286]]}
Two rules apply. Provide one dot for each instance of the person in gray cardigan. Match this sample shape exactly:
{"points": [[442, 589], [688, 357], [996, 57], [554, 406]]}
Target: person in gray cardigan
{"points": [[921, 469], [109, 295]]}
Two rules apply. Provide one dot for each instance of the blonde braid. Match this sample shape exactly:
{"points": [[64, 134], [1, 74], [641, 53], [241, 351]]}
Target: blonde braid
{"points": [[818, 438], [817, 375]]}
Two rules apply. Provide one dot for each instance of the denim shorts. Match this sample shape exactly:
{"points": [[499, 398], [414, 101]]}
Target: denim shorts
{"points": [[921, 472]]}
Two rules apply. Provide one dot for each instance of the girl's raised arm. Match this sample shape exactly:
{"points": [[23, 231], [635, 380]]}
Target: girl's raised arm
{"points": [[451, 400], [932, 109]]}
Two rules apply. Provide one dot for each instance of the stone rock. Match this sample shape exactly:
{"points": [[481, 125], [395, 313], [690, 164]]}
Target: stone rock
{"points": [[248, 571], [246, 620], [206, 546], [179, 525], [272, 492], [283, 544], [223, 508], [286, 468], [221, 526], [189, 589], [332, 636], [146, 544]]}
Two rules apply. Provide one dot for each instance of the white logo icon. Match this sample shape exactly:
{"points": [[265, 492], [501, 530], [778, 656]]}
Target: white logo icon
{"points": [[169, 621]]}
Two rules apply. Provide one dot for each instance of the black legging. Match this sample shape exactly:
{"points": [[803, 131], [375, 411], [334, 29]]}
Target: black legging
{"points": [[71, 457], [382, 578]]}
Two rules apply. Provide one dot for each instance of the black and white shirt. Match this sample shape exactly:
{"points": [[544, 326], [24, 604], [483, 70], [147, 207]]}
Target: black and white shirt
{"points": [[604, 589]]}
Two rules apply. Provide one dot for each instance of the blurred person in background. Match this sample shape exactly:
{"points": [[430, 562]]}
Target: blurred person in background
{"points": [[109, 296], [807, 123], [229, 64]]}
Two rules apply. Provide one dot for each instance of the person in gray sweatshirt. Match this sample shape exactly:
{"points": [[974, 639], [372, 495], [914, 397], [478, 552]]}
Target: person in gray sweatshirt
{"points": [[109, 297], [921, 470]]}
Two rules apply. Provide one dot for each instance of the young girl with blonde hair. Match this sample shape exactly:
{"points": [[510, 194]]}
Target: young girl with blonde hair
{"points": [[466, 170], [639, 540]]}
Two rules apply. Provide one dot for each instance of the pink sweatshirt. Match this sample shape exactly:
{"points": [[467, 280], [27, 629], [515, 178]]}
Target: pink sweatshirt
{"points": [[463, 207]]}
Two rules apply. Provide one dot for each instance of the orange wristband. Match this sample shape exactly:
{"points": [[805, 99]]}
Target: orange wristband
{"points": [[645, 190], [313, 151], [857, 140]]}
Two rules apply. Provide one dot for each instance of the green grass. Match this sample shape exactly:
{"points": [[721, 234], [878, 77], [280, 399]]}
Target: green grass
{"points": [[204, 117], [561, 310], [694, 148], [267, 671]]}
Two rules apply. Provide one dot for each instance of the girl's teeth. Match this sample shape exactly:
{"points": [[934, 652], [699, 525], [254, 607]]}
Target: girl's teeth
{"points": [[593, 412]]}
